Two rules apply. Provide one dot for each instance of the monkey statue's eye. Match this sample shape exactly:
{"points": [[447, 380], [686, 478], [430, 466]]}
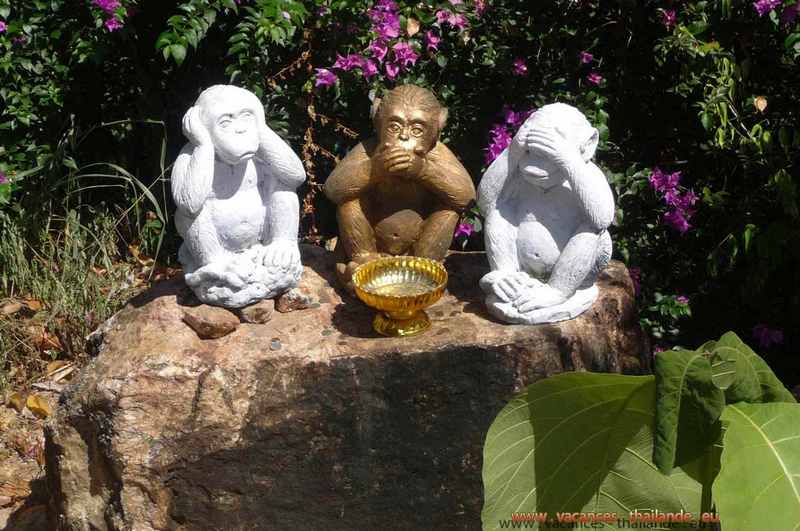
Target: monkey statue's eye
{"points": [[417, 130], [247, 115], [225, 121], [394, 127]]}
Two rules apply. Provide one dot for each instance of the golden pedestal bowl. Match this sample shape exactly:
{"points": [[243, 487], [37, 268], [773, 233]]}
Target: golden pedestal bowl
{"points": [[400, 288]]}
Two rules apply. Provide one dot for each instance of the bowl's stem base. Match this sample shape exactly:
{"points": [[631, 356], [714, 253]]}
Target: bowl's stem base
{"points": [[390, 326]]}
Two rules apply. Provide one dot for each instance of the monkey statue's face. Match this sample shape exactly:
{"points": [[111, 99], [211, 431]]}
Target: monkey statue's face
{"points": [[412, 129], [234, 130]]}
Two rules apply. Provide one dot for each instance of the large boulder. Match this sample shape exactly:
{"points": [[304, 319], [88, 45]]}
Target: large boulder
{"points": [[309, 421]]}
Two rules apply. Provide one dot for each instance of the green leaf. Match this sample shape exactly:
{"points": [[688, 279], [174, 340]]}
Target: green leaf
{"points": [[178, 52], [689, 405], [755, 382], [723, 370], [758, 486], [580, 442]]}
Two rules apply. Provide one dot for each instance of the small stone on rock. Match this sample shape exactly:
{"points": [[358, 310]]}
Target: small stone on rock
{"points": [[210, 322], [293, 300], [258, 313]]}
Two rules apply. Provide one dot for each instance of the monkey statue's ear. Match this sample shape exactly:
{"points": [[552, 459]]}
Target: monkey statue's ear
{"points": [[589, 146], [443, 118], [376, 105]]}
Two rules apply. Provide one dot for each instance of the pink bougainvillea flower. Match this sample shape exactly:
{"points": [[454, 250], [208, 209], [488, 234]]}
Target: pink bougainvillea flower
{"points": [[391, 70], [658, 349], [464, 229], [669, 18], [519, 67], [404, 54], [385, 19], [3, 179], [766, 336], [789, 14], [664, 182], [2, 26], [109, 6], [348, 62], [112, 24], [686, 201], [378, 49], [676, 219], [763, 7], [514, 119], [585, 57], [683, 299], [432, 41], [500, 140], [480, 7], [456, 2], [325, 78], [594, 78], [369, 68], [457, 20]]}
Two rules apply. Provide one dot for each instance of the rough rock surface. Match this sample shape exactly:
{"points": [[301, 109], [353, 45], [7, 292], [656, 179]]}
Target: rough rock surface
{"points": [[310, 421]]}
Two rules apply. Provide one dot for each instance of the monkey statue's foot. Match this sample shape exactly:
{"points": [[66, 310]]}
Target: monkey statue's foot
{"points": [[528, 310], [241, 279], [508, 286]]}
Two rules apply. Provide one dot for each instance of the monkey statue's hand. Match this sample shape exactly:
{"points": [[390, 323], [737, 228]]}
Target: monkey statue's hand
{"points": [[401, 162], [194, 128], [519, 144], [283, 254], [552, 144], [541, 296]]}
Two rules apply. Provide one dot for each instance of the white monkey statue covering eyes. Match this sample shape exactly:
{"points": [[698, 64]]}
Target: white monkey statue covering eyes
{"points": [[234, 185], [548, 208]]}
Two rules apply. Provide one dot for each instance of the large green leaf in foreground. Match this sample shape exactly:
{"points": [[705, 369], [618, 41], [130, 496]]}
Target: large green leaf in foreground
{"points": [[759, 484], [754, 380], [580, 442], [688, 406]]}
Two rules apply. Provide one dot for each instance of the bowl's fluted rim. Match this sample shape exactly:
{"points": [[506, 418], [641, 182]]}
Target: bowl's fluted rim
{"points": [[390, 259]]}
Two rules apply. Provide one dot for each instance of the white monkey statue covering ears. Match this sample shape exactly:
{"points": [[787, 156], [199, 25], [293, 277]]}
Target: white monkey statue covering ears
{"points": [[234, 185], [548, 208]]}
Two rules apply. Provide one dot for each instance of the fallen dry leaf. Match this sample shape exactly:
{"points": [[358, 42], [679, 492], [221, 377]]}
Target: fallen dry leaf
{"points": [[10, 307], [39, 406], [42, 339], [33, 304], [760, 103], [53, 366], [16, 401], [412, 27]]}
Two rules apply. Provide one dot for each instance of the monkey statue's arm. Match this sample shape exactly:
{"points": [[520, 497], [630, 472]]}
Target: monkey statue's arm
{"points": [[444, 176], [193, 172], [447, 178], [500, 228], [280, 159], [595, 197], [344, 186]]}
